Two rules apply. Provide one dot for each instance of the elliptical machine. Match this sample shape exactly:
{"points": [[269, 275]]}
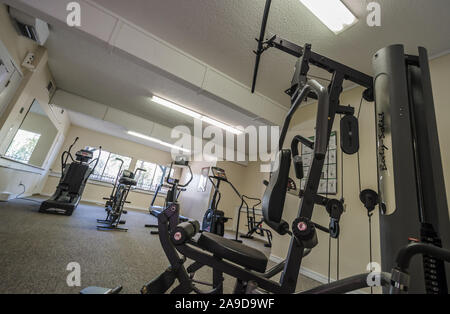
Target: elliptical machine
{"points": [[173, 193], [73, 180], [114, 206], [214, 220]]}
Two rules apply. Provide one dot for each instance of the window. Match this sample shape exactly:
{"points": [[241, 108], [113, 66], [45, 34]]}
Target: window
{"points": [[23, 145], [145, 179], [153, 177], [108, 166]]}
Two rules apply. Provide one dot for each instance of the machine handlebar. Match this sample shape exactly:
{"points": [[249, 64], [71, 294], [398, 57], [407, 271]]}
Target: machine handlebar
{"points": [[176, 182]]}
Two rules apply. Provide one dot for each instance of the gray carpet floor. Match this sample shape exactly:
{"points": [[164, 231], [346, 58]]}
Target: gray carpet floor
{"points": [[36, 249]]}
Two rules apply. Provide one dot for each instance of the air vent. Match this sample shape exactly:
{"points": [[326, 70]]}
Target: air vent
{"points": [[29, 26]]}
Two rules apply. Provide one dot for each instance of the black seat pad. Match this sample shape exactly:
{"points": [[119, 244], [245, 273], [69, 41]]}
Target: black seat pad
{"points": [[127, 181], [233, 251]]}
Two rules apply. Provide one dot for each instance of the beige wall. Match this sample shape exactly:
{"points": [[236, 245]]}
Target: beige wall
{"points": [[95, 192], [440, 75]]}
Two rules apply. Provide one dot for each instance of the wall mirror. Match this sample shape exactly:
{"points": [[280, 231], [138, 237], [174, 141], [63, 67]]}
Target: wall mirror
{"points": [[33, 139]]}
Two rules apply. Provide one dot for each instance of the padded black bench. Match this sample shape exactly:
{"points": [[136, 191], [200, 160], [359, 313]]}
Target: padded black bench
{"points": [[233, 251]]}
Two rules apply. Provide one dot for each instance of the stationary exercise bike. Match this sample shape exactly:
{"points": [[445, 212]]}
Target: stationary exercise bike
{"points": [[74, 176], [114, 206], [175, 189], [112, 197]]}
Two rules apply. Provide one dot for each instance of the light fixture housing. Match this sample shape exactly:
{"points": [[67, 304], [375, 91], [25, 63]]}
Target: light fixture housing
{"points": [[221, 125], [155, 140], [171, 105], [333, 13], [174, 106]]}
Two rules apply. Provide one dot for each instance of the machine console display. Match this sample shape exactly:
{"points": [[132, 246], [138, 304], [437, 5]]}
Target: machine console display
{"points": [[219, 173], [84, 155]]}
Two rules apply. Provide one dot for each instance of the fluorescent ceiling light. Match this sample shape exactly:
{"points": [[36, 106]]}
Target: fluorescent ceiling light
{"points": [[333, 13], [155, 140], [193, 114], [221, 125], [176, 107]]}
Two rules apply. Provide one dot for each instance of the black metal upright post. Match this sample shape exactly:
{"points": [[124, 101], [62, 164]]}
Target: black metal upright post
{"points": [[411, 183]]}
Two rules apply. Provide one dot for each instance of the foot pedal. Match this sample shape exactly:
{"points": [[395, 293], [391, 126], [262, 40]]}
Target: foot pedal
{"points": [[124, 212], [122, 222]]}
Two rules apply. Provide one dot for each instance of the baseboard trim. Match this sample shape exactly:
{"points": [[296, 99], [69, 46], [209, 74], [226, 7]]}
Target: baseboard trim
{"points": [[312, 274]]}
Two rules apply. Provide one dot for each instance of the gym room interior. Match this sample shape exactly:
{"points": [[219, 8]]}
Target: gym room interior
{"points": [[115, 113]]}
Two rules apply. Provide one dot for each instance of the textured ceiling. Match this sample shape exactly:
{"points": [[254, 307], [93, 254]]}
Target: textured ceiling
{"points": [[90, 70], [221, 33]]}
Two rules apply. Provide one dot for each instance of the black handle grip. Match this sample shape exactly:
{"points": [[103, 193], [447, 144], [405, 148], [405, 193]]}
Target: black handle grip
{"points": [[298, 167]]}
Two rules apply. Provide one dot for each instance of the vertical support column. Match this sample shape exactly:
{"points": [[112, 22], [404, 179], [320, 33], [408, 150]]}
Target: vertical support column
{"points": [[407, 148]]}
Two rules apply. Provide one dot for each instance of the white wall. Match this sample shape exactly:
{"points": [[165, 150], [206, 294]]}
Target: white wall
{"points": [[33, 86]]}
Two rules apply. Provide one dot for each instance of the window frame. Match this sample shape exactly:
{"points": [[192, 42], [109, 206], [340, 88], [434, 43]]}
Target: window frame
{"points": [[153, 186], [101, 177]]}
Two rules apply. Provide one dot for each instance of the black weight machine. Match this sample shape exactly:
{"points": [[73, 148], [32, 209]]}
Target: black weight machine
{"points": [[74, 176], [115, 203], [242, 262], [175, 189], [248, 265], [412, 195]]}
